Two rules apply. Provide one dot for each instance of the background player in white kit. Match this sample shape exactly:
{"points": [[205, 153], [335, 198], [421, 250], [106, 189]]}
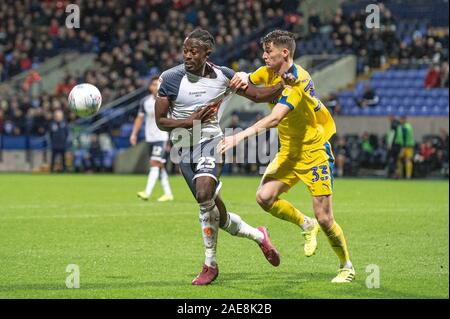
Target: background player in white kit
{"points": [[157, 143]]}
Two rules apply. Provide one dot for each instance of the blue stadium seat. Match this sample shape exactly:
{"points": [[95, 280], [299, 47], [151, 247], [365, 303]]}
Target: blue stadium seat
{"points": [[418, 84], [347, 93], [379, 75], [14, 142], [435, 93], [436, 110], [389, 92], [430, 102], [420, 93], [354, 111], [419, 101], [408, 101], [377, 111], [401, 110], [78, 158], [402, 92], [443, 92], [126, 129], [121, 141], [424, 111], [412, 111], [442, 101], [389, 109], [108, 158]]}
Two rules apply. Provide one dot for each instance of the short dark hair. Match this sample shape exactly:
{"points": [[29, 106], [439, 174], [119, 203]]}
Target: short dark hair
{"points": [[203, 36], [280, 38], [154, 78]]}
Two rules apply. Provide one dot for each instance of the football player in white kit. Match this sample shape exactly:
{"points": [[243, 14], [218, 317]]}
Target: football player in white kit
{"points": [[157, 143], [191, 93]]}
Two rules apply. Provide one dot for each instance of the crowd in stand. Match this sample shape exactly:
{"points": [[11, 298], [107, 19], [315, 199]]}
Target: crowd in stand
{"points": [[132, 40], [437, 76], [136, 39], [375, 46]]}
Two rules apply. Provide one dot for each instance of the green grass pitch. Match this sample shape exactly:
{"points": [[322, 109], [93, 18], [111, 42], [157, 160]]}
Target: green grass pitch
{"points": [[127, 248]]}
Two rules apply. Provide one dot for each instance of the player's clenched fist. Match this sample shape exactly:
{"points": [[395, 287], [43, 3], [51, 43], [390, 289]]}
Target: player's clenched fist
{"points": [[204, 114], [239, 81]]}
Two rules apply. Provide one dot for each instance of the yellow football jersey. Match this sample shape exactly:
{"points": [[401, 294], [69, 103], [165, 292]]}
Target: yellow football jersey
{"points": [[309, 124]]}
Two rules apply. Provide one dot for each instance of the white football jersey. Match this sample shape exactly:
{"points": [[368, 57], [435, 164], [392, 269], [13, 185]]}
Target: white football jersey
{"points": [[152, 132], [187, 93]]}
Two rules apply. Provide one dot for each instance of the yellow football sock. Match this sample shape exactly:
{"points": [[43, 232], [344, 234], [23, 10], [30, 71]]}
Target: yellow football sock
{"points": [[409, 168], [337, 241], [400, 168], [284, 210]]}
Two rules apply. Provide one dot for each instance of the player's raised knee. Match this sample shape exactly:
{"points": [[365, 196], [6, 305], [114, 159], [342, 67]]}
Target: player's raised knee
{"points": [[203, 195], [264, 199], [325, 221]]}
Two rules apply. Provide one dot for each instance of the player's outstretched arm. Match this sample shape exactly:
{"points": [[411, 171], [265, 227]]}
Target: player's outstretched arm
{"points": [[167, 124], [261, 94], [269, 121]]}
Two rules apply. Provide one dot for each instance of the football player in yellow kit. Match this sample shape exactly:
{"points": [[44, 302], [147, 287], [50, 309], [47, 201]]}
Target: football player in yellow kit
{"points": [[304, 128]]}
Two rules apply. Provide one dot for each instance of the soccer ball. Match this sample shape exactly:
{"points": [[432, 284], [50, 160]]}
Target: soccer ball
{"points": [[85, 100]]}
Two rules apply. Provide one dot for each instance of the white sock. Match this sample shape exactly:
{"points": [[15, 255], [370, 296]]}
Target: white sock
{"points": [[307, 224], [151, 181], [348, 265], [165, 182], [209, 220], [237, 227]]}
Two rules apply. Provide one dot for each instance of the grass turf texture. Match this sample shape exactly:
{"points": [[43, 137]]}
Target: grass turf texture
{"points": [[127, 248]]}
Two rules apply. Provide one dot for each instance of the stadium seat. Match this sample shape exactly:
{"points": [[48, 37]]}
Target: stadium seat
{"points": [[126, 129], [108, 158], [78, 159], [121, 141], [412, 111]]}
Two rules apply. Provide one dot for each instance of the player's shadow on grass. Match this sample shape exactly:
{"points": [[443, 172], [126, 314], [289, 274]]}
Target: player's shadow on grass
{"points": [[280, 284], [297, 285]]}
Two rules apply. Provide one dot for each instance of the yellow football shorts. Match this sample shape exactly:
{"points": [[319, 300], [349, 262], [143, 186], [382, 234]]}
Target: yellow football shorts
{"points": [[314, 168], [407, 152]]}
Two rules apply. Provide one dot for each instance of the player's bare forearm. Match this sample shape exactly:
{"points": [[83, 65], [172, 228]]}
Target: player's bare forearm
{"points": [[166, 124], [137, 124], [267, 122], [271, 120], [261, 94]]}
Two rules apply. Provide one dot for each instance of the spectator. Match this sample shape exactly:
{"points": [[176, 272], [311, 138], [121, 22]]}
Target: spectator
{"points": [[333, 104], [2, 121], [313, 22], [394, 145], [367, 150], [369, 97], [58, 138], [342, 154], [93, 159], [433, 77], [443, 151], [443, 81], [426, 159], [404, 53]]}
